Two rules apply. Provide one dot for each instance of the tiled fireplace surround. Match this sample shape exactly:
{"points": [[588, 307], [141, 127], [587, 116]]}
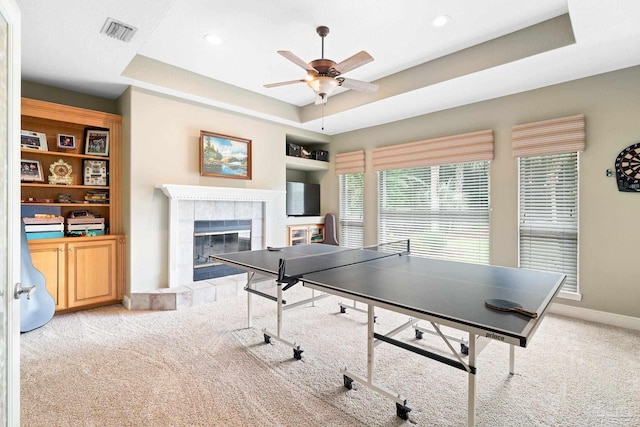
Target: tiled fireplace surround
{"points": [[194, 203]]}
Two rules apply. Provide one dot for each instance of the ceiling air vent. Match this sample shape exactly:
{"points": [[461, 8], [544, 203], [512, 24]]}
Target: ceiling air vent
{"points": [[118, 30]]}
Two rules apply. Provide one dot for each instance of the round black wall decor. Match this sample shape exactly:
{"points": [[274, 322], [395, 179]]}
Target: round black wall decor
{"points": [[628, 169]]}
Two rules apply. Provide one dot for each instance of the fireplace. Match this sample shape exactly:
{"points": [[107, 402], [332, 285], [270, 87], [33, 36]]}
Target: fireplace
{"points": [[218, 237], [189, 204]]}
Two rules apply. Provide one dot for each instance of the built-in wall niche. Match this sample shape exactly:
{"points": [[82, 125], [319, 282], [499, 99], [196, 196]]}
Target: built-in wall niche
{"points": [[306, 154]]}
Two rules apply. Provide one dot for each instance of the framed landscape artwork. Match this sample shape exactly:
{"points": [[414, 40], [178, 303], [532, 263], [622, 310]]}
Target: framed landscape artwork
{"points": [[224, 156]]}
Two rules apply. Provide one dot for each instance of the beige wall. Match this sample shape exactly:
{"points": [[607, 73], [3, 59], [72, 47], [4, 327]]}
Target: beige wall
{"points": [[609, 234], [163, 148], [75, 99]]}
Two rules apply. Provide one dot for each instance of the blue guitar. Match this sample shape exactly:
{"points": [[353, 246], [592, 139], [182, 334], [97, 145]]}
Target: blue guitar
{"points": [[36, 304]]}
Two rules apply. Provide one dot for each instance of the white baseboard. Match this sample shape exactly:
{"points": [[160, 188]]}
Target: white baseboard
{"points": [[126, 301], [611, 319]]}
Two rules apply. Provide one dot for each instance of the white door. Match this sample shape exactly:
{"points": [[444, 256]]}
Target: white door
{"points": [[9, 213]]}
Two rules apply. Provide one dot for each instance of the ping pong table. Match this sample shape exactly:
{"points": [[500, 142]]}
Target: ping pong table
{"points": [[443, 293]]}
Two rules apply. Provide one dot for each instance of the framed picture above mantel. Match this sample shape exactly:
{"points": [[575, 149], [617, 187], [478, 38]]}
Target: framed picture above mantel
{"points": [[224, 156]]}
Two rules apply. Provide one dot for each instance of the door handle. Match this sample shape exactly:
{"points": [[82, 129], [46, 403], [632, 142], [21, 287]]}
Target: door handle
{"points": [[29, 290]]}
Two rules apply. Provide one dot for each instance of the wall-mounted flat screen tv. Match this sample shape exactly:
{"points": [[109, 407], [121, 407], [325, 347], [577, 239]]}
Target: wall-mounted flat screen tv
{"points": [[303, 199]]}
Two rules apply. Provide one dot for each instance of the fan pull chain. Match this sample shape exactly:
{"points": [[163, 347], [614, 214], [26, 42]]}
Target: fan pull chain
{"points": [[322, 114]]}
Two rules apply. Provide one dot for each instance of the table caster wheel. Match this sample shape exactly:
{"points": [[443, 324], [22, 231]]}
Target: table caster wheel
{"points": [[342, 309], [419, 334], [348, 382], [297, 353], [464, 349], [402, 411], [267, 339]]}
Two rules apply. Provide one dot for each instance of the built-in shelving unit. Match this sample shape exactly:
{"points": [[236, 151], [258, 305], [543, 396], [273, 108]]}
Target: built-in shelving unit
{"points": [[304, 164], [87, 271]]}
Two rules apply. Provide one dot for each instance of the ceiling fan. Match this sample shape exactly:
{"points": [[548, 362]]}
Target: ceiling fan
{"points": [[325, 75]]}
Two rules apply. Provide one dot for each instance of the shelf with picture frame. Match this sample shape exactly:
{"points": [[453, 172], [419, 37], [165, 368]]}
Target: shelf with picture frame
{"points": [[83, 147]]}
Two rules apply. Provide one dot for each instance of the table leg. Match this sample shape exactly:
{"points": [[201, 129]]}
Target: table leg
{"points": [[512, 359], [279, 286], [249, 301], [370, 343], [471, 407]]}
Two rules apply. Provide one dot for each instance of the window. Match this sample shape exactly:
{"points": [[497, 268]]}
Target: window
{"points": [[548, 210], [443, 210], [351, 210]]}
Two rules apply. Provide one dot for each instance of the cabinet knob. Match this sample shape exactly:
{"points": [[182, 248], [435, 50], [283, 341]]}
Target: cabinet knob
{"points": [[70, 249]]}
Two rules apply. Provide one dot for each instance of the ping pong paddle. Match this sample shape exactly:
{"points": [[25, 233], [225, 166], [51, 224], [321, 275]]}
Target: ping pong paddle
{"points": [[504, 305]]}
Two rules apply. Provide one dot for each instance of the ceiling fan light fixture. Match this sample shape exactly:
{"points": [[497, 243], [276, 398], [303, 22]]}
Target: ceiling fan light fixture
{"points": [[323, 85]]}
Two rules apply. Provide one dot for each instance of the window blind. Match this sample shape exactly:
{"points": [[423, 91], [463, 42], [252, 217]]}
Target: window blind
{"points": [[352, 162], [462, 148], [548, 210], [443, 210], [351, 233]]}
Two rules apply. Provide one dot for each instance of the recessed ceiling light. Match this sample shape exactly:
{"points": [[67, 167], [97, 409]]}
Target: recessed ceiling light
{"points": [[441, 21], [213, 39]]}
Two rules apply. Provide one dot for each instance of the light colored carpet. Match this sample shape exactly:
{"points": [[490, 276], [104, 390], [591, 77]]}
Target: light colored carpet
{"points": [[202, 367]]}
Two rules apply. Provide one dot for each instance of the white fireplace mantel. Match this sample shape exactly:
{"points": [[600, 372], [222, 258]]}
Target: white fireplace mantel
{"points": [[272, 219], [197, 192]]}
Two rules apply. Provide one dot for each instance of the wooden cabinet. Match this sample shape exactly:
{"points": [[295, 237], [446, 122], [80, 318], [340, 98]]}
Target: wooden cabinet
{"points": [[50, 258], [306, 233], [79, 271]]}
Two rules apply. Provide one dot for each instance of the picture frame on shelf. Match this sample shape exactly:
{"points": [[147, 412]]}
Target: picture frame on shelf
{"points": [[31, 171], [67, 142], [95, 172], [61, 173], [33, 140], [224, 156], [96, 142]]}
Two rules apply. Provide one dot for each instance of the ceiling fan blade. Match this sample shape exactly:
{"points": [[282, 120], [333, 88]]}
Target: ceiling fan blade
{"points": [[358, 85], [290, 82], [293, 58], [353, 62]]}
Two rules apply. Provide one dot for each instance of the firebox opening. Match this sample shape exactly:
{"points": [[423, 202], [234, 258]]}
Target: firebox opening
{"points": [[217, 237]]}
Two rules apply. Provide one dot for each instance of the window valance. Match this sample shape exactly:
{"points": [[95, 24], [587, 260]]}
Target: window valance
{"points": [[352, 162], [555, 136], [469, 147]]}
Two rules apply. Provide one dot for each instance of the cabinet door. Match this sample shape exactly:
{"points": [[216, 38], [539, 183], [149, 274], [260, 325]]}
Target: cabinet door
{"points": [[91, 276], [298, 235], [50, 259], [316, 233]]}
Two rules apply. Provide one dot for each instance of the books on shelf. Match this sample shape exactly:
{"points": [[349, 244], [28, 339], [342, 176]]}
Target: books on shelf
{"points": [[45, 235], [43, 227], [51, 225], [87, 225], [97, 195], [43, 219], [83, 227], [85, 220]]}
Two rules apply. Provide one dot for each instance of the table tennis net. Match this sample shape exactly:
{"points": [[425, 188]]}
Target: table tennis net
{"points": [[296, 268]]}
